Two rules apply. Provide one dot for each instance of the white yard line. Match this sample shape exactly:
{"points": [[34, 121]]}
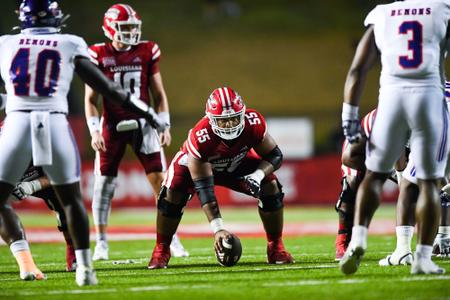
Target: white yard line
{"points": [[355, 281]]}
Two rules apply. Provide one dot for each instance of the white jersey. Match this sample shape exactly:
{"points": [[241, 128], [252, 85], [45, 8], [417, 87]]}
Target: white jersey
{"points": [[411, 36], [37, 68]]}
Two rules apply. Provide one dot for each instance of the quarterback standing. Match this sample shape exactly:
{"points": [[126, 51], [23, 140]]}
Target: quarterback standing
{"points": [[229, 147], [37, 66], [133, 64], [411, 37]]}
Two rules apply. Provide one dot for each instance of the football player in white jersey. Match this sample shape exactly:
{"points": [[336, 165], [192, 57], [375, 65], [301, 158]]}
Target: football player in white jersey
{"points": [[37, 66], [406, 215], [411, 37]]}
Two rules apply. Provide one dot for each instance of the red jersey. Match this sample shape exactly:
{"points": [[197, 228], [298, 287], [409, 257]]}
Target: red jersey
{"points": [[131, 69], [366, 125], [205, 145]]}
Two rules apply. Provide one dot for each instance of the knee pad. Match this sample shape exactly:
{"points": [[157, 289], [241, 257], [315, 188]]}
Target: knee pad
{"points": [[347, 196], [104, 187], [271, 203], [169, 209]]}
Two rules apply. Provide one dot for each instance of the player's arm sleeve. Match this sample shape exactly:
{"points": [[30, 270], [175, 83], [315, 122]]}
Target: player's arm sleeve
{"points": [[202, 176]]}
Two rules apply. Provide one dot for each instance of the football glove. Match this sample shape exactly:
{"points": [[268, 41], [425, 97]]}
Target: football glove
{"points": [[350, 123], [352, 130], [441, 245], [25, 189], [252, 182], [147, 112]]}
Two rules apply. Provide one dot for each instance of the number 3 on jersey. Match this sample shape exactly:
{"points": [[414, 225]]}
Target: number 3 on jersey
{"points": [[130, 81], [45, 76], [414, 44]]}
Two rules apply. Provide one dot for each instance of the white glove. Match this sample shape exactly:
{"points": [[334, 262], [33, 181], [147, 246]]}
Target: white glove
{"points": [[253, 182], [351, 126], [26, 188], [441, 245]]}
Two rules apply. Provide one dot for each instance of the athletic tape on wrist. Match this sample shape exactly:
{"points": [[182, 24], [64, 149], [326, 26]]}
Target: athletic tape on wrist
{"points": [[349, 112], [93, 124], [217, 225], [164, 116]]}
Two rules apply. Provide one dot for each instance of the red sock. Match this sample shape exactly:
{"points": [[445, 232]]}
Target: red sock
{"points": [[273, 237], [163, 239], [342, 227]]}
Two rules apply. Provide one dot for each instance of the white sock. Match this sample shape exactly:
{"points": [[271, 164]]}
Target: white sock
{"points": [[83, 257], [404, 237], [101, 236], [19, 245], [424, 251], [444, 230], [359, 236]]}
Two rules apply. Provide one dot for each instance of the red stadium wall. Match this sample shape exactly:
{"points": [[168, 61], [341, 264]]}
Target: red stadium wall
{"points": [[314, 181]]}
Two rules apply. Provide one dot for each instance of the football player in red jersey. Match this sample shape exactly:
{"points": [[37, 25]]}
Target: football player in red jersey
{"points": [[229, 147], [133, 64], [353, 169]]}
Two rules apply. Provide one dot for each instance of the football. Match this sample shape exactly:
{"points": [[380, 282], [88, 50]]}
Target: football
{"points": [[232, 250]]}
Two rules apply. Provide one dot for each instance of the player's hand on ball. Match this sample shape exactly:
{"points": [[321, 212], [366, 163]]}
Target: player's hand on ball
{"points": [[98, 142], [231, 249], [219, 237]]}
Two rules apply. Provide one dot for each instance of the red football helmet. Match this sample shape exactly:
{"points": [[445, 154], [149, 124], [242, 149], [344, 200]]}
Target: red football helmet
{"points": [[225, 110], [121, 23]]}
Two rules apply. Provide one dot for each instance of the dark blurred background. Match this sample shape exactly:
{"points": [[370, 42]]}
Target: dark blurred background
{"points": [[287, 58]]}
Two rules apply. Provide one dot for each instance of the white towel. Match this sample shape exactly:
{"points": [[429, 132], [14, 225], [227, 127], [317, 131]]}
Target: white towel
{"points": [[150, 138], [40, 138]]}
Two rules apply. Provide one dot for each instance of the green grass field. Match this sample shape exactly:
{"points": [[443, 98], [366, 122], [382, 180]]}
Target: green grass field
{"points": [[315, 275]]}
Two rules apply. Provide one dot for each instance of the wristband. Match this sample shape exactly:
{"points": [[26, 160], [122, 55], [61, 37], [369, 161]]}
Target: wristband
{"points": [[35, 186], [442, 229], [2, 101], [217, 225], [165, 117], [93, 124], [349, 112], [258, 175], [446, 188]]}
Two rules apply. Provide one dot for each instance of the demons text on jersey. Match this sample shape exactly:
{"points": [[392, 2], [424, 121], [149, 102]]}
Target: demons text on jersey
{"points": [[411, 12], [38, 42]]}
